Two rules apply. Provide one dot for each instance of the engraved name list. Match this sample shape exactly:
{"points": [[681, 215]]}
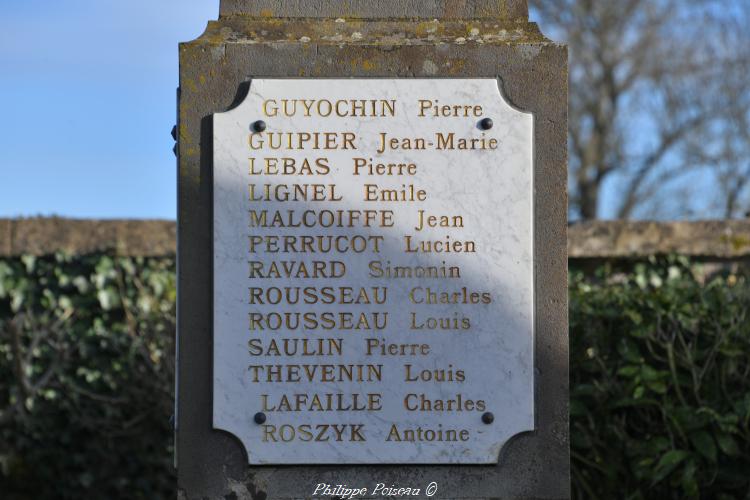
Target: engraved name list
{"points": [[373, 271]]}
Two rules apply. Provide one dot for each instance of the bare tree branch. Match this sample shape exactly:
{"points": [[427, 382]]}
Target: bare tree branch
{"points": [[650, 80], [18, 329]]}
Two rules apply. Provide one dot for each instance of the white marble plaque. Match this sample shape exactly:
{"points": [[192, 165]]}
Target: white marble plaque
{"points": [[373, 271]]}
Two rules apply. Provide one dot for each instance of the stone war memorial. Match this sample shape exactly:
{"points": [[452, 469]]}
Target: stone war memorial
{"points": [[372, 296]]}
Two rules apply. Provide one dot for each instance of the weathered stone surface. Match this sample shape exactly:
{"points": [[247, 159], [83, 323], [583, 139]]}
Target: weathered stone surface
{"points": [[622, 240], [43, 236], [307, 33], [377, 9], [6, 237]]}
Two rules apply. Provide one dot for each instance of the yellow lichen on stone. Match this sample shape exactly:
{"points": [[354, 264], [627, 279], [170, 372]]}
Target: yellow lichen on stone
{"points": [[365, 64], [455, 66], [215, 34], [426, 28], [184, 136], [249, 29], [736, 241], [191, 84]]}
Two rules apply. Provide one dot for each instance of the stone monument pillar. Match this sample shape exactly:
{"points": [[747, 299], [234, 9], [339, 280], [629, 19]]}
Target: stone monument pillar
{"points": [[372, 262]]}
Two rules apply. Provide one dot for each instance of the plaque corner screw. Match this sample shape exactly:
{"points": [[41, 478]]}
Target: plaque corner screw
{"points": [[258, 126], [260, 418], [486, 123], [488, 417]]}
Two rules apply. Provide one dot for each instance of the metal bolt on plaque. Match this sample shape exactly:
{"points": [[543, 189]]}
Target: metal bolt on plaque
{"points": [[258, 126]]}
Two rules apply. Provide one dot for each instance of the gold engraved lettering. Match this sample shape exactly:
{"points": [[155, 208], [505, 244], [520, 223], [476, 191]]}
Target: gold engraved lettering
{"points": [[383, 348], [296, 269], [387, 143], [420, 402], [379, 108], [454, 322], [289, 166], [380, 269], [321, 218], [446, 245], [420, 435], [299, 141], [314, 244], [426, 295], [315, 373], [308, 321], [369, 168], [449, 142], [429, 107], [426, 220], [293, 192], [343, 295], [307, 432], [406, 193], [295, 347], [436, 375], [321, 402]]}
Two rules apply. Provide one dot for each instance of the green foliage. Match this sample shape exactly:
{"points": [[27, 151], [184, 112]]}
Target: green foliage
{"points": [[660, 384], [86, 377], [660, 381]]}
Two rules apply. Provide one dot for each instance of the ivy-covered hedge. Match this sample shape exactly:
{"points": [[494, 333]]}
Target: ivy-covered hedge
{"points": [[86, 378], [660, 384], [660, 380]]}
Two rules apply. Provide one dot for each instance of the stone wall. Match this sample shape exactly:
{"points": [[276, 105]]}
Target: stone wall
{"points": [[707, 240], [42, 235]]}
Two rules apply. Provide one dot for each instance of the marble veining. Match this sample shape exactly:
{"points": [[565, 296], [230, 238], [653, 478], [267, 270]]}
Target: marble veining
{"points": [[491, 190]]}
